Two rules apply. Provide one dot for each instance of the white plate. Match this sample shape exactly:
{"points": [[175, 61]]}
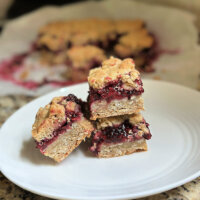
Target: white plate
{"points": [[173, 158]]}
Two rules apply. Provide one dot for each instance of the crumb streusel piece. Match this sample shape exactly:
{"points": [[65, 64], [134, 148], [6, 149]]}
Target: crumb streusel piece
{"points": [[83, 58], [52, 43], [60, 127], [98, 32], [124, 26], [55, 36], [115, 89], [136, 45], [121, 135]]}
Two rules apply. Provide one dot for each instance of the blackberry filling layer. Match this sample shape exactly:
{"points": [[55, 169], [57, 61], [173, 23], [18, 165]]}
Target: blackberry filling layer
{"points": [[115, 90], [117, 134], [72, 98]]}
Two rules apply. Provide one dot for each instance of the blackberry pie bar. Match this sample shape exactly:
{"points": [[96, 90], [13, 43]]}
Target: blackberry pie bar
{"points": [[115, 89], [60, 127], [121, 135]]}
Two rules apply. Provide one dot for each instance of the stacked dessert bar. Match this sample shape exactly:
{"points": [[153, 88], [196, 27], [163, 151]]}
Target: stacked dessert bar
{"points": [[115, 103], [116, 126]]}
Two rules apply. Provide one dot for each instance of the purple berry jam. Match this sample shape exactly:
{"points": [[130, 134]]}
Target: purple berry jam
{"points": [[117, 134], [114, 90], [73, 98]]}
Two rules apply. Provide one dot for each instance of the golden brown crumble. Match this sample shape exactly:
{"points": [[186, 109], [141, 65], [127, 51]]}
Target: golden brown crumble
{"points": [[113, 69], [128, 25], [81, 56], [57, 35], [50, 117], [133, 43]]}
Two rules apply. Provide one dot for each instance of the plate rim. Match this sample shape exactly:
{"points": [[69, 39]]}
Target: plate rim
{"points": [[118, 197], [148, 192]]}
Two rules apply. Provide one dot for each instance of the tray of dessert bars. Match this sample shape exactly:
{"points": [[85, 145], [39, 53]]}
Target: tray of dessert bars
{"points": [[64, 43]]}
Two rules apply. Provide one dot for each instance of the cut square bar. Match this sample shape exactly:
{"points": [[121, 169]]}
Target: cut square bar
{"points": [[115, 89], [118, 136], [60, 127]]}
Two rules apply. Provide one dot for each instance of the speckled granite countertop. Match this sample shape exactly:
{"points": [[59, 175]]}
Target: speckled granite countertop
{"points": [[9, 191]]}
